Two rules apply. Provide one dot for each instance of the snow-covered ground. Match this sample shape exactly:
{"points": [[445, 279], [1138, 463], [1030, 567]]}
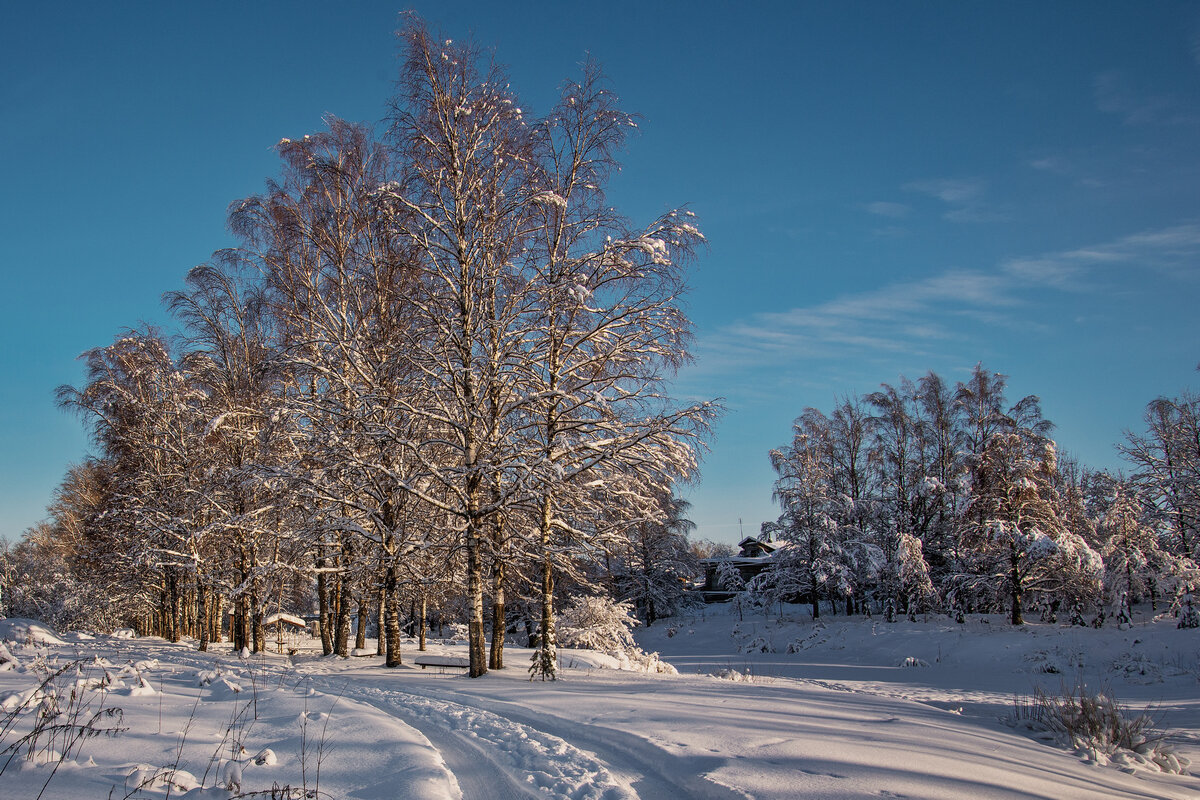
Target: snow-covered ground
{"points": [[859, 709]]}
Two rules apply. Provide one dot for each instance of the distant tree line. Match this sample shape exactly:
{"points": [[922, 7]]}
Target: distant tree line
{"points": [[922, 497], [430, 377]]}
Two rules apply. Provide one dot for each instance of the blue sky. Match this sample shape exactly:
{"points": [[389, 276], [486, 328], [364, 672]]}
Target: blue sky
{"points": [[887, 188]]}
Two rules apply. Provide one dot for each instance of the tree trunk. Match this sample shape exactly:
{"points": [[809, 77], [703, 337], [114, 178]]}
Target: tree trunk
{"points": [[1015, 579], [392, 599], [421, 625], [241, 623], [1129, 581], [341, 642], [360, 635], [381, 613], [176, 600], [203, 615], [499, 625], [218, 619], [477, 643], [256, 621], [545, 659]]}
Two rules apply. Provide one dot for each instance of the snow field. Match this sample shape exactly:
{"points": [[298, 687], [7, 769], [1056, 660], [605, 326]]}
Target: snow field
{"points": [[218, 731], [838, 717]]}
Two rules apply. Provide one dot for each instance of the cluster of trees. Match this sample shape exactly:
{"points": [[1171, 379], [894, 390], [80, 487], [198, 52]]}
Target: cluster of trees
{"points": [[921, 496], [432, 375]]}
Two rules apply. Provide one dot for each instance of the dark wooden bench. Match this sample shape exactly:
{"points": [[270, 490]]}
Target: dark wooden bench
{"points": [[442, 662]]}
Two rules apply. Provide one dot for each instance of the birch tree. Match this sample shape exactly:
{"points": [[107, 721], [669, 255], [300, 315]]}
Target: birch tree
{"points": [[607, 329]]}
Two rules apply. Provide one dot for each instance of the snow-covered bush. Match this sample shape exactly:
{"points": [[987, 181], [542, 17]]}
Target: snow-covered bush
{"points": [[758, 644], [816, 636], [37, 582], [1189, 617], [912, 661], [1137, 668], [641, 661], [597, 623], [600, 624], [1097, 728], [7, 660], [1124, 615], [1045, 662]]}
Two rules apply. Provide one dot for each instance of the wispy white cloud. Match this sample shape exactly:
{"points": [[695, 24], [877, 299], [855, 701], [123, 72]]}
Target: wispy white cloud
{"points": [[902, 317], [954, 191], [1079, 169], [884, 208], [1173, 251], [926, 316], [964, 196], [1049, 271], [1115, 94], [973, 214], [1056, 164]]}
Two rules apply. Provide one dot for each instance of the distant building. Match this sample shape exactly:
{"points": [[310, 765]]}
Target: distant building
{"points": [[755, 554]]}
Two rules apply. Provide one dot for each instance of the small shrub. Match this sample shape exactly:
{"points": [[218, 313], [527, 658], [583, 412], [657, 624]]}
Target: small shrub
{"points": [[745, 676], [597, 623], [1097, 728], [1189, 617], [64, 712], [910, 661], [758, 645]]}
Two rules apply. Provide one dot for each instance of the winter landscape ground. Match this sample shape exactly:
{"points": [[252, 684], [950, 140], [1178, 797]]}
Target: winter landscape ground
{"points": [[860, 708]]}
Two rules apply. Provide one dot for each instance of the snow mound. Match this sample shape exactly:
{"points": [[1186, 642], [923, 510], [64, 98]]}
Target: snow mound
{"points": [[224, 689], [146, 777], [27, 631], [7, 660], [586, 659]]}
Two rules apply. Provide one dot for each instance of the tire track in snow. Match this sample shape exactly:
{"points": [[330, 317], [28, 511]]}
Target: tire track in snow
{"points": [[479, 778], [536, 763], [651, 771]]}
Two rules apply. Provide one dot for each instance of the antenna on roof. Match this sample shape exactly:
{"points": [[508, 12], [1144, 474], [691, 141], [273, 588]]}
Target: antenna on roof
{"points": [[741, 533]]}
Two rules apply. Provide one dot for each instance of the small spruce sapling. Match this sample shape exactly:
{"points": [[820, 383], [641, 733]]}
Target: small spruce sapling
{"points": [[1124, 615], [1189, 617]]}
